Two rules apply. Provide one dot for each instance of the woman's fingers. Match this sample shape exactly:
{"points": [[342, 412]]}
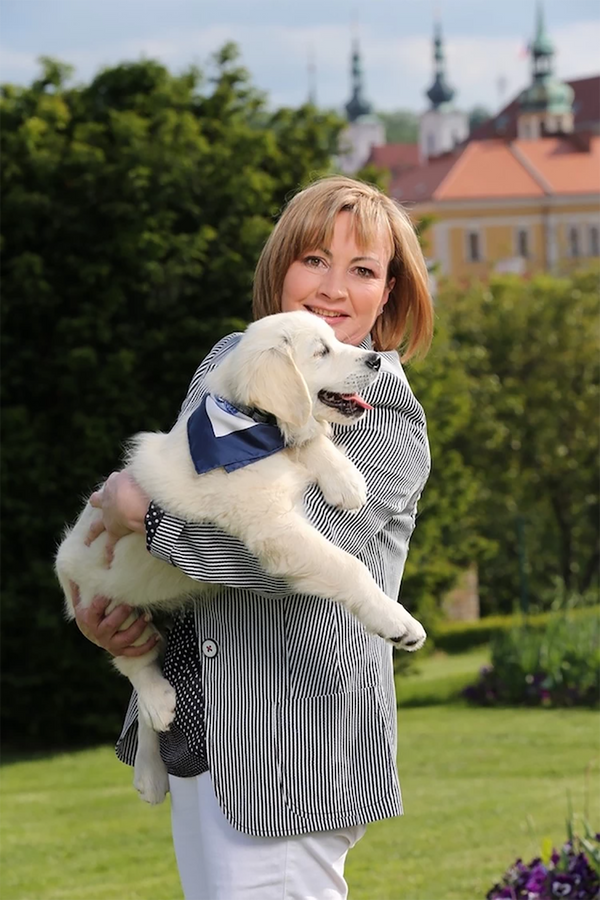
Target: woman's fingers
{"points": [[113, 623], [109, 549], [104, 630], [119, 642], [95, 530], [96, 500], [143, 648], [75, 595]]}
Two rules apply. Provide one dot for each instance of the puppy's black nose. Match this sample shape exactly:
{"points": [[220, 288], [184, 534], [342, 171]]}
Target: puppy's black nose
{"points": [[373, 362]]}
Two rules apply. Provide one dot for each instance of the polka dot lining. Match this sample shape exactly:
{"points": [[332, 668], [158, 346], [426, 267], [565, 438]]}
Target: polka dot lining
{"points": [[183, 747]]}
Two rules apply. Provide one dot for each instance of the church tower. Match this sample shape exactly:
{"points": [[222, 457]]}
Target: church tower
{"points": [[442, 126], [364, 130], [546, 106]]}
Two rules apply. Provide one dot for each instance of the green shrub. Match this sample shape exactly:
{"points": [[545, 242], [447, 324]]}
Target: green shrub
{"points": [[460, 637], [559, 666]]}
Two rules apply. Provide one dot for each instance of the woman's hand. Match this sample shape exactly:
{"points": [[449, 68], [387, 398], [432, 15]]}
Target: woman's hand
{"points": [[124, 506], [103, 630]]}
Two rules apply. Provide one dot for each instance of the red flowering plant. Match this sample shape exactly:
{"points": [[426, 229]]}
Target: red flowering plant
{"points": [[573, 872]]}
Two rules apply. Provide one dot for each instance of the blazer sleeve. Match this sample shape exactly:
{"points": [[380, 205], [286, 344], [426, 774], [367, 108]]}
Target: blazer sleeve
{"points": [[389, 446]]}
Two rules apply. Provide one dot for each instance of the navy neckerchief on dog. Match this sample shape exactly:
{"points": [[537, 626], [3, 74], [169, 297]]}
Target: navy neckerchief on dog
{"points": [[222, 436]]}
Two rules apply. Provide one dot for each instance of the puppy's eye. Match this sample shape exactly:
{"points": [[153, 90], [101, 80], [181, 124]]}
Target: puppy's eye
{"points": [[323, 350]]}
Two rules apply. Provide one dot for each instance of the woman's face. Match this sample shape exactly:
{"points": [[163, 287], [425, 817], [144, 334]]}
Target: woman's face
{"points": [[344, 284]]}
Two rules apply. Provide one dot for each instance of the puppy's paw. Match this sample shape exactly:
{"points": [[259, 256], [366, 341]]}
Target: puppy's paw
{"points": [[414, 635], [345, 488], [157, 705], [150, 780], [396, 625]]}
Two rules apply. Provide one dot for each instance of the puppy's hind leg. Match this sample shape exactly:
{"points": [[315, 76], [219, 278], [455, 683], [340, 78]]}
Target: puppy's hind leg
{"points": [[156, 697], [150, 777]]}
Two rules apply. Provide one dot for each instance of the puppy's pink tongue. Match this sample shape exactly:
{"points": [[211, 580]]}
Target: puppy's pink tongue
{"points": [[358, 400]]}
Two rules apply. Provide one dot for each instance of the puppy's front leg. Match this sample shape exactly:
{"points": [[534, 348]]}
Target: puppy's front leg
{"points": [[339, 479]]}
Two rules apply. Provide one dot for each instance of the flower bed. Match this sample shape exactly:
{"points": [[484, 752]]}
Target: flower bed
{"points": [[572, 872]]}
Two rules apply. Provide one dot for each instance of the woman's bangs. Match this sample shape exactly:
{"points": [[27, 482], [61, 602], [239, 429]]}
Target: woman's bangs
{"points": [[315, 231], [370, 224]]}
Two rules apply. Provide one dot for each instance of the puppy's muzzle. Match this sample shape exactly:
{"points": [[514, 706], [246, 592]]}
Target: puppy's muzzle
{"points": [[373, 361]]}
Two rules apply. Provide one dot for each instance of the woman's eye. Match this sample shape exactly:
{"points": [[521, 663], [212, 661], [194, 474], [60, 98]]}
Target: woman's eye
{"points": [[313, 261], [364, 272]]}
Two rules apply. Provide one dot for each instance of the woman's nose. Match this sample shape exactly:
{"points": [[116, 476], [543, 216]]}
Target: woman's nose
{"points": [[333, 284]]}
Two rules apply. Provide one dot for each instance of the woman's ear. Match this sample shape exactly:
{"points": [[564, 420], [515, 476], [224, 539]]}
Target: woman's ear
{"points": [[386, 295], [275, 384]]}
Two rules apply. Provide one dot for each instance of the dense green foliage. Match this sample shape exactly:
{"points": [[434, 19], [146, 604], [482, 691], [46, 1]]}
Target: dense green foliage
{"points": [[460, 637], [556, 666], [134, 210], [401, 126], [511, 389]]}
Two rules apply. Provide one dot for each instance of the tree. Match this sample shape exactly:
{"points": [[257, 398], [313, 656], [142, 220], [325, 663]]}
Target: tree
{"points": [[477, 116], [448, 534], [135, 208], [528, 354], [401, 126]]}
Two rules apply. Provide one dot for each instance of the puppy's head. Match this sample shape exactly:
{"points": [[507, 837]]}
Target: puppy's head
{"points": [[292, 366]]}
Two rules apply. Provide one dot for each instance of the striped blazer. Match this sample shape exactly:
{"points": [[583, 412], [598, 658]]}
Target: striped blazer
{"points": [[299, 701]]}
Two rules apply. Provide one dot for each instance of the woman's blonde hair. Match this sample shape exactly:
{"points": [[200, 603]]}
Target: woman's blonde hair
{"points": [[308, 221]]}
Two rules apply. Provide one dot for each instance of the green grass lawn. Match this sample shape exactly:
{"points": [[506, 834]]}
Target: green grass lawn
{"points": [[440, 678], [481, 787]]}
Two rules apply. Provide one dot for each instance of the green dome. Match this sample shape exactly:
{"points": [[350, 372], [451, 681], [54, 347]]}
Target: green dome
{"points": [[549, 95], [542, 45]]}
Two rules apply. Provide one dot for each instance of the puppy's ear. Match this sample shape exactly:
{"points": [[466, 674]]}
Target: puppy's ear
{"points": [[277, 386]]}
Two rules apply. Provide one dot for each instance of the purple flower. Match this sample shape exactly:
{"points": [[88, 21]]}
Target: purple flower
{"points": [[568, 874], [562, 886]]}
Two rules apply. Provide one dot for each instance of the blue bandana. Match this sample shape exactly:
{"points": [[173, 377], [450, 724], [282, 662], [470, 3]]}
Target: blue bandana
{"points": [[222, 436]]}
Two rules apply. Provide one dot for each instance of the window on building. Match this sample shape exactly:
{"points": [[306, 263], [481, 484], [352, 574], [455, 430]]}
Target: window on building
{"points": [[523, 243], [473, 246], [573, 241], [594, 241]]}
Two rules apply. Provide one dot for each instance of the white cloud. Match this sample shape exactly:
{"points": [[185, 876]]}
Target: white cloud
{"points": [[397, 70], [19, 63]]}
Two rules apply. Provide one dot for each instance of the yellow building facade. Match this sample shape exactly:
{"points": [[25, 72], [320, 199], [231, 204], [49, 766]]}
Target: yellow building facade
{"points": [[508, 206], [474, 239]]}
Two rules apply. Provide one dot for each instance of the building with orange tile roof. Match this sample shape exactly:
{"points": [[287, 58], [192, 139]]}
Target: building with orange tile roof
{"points": [[523, 193], [519, 206]]}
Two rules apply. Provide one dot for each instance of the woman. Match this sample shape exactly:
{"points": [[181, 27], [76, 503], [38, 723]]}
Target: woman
{"points": [[284, 743]]}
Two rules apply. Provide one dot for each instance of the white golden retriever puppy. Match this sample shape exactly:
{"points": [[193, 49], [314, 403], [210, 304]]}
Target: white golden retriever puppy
{"points": [[291, 367]]}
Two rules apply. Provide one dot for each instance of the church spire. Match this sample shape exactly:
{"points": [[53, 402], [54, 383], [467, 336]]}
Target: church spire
{"points": [[546, 106], [542, 47], [312, 78], [440, 92], [357, 105]]}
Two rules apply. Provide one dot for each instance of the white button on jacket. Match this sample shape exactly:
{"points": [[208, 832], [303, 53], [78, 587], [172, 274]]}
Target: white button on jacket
{"points": [[210, 648]]}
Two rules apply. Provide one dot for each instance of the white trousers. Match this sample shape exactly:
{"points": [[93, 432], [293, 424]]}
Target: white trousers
{"points": [[216, 862]]}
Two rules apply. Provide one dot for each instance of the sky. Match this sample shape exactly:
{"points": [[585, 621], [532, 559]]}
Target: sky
{"points": [[485, 43]]}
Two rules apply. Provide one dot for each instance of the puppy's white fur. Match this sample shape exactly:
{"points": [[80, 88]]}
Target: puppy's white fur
{"points": [[279, 366]]}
